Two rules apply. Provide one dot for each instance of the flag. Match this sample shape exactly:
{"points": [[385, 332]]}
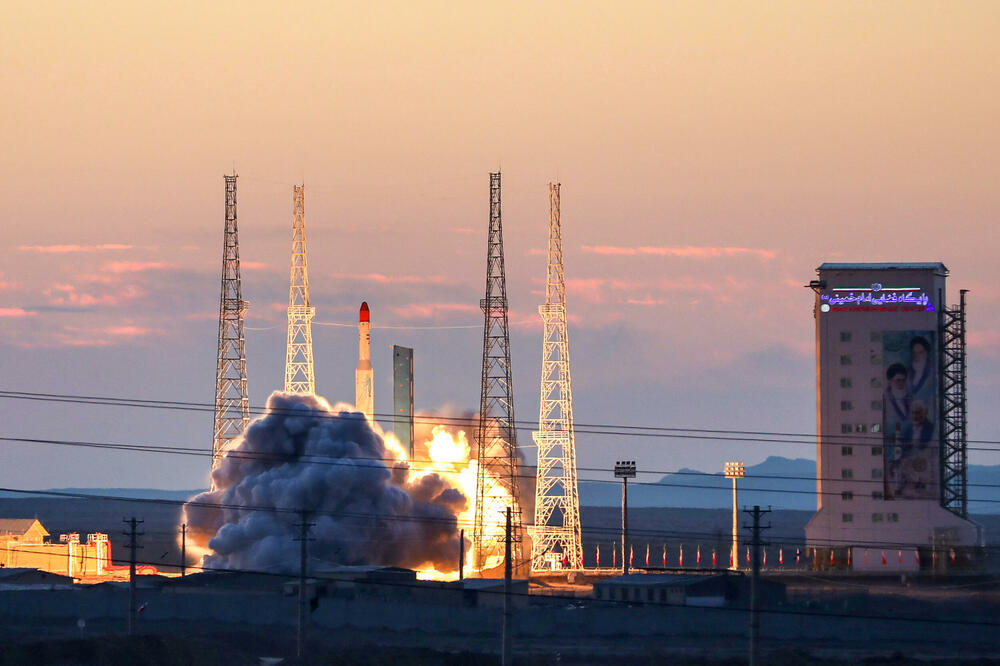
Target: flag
{"points": [[916, 554], [142, 608], [866, 557], [730, 558], [664, 554], [781, 556], [831, 556], [598, 555], [797, 554], [647, 555], [765, 557], [631, 556], [614, 557], [697, 555], [748, 554], [848, 557], [680, 560], [951, 555], [883, 558], [900, 557], [713, 557]]}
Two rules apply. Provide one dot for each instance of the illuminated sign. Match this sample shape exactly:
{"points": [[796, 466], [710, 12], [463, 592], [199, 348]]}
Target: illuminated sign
{"points": [[876, 298]]}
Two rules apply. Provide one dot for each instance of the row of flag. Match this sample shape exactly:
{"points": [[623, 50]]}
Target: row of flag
{"points": [[715, 559]]}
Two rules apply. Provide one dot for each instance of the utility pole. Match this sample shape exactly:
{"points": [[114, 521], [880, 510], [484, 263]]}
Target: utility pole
{"points": [[303, 539], [734, 470], [625, 470], [184, 530], [133, 545], [755, 545], [505, 648], [461, 554]]}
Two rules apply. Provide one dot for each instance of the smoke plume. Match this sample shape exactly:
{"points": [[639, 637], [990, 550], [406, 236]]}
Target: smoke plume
{"points": [[366, 507]]}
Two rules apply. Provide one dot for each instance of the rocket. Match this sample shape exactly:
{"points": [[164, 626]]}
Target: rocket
{"points": [[363, 393]]}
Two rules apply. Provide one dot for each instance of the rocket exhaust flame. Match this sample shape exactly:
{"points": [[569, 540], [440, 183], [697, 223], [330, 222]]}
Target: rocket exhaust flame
{"points": [[404, 513]]}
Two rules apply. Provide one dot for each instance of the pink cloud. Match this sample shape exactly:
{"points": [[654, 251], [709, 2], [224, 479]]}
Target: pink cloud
{"points": [[690, 251], [6, 285], [433, 310], [16, 312], [645, 301], [133, 266], [67, 294], [132, 331], [66, 249], [393, 279], [254, 265]]}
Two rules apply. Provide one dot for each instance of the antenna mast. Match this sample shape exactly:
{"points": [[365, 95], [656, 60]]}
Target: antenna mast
{"points": [[299, 374], [232, 403], [496, 479], [557, 502]]}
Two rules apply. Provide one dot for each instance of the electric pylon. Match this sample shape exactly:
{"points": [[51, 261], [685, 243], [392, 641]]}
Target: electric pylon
{"points": [[232, 403], [556, 529], [299, 377], [496, 478]]}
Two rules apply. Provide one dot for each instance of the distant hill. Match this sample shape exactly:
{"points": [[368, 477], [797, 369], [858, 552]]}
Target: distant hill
{"points": [[780, 482]]}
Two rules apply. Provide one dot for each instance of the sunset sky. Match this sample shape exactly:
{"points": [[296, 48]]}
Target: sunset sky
{"points": [[711, 156]]}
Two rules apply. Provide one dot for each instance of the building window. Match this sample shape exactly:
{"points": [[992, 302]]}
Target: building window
{"points": [[845, 382], [845, 359], [877, 473], [845, 336], [876, 336], [846, 405], [893, 517], [876, 359], [847, 517], [877, 517], [877, 405], [876, 427], [876, 450], [877, 495], [846, 427], [846, 451], [876, 382], [847, 473], [847, 495], [861, 427]]}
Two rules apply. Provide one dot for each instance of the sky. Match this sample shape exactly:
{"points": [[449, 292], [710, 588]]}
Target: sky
{"points": [[711, 156]]}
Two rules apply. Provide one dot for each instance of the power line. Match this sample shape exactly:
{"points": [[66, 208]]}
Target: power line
{"points": [[761, 436], [326, 459]]}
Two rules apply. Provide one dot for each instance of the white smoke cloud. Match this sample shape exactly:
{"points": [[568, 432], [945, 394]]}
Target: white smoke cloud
{"points": [[303, 455]]}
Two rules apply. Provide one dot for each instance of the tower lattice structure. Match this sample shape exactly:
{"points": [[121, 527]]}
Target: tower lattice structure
{"points": [[299, 374], [556, 527], [496, 480], [232, 403]]}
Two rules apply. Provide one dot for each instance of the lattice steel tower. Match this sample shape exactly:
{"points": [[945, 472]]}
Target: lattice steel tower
{"points": [[557, 502], [496, 482], [232, 404], [299, 375]]}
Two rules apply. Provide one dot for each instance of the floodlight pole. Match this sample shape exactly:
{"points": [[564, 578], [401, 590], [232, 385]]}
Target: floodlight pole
{"points": [[734, 470], [624, 470]]}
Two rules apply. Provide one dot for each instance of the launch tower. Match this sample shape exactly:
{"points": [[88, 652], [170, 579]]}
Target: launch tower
{"points": [[232, 403], [299, 375], [496, 482], [556, 532]]}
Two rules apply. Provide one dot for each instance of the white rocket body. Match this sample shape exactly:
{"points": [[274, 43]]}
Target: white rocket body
{"points": [[364, 398]]}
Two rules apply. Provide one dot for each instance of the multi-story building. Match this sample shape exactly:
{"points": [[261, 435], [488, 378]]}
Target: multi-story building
{"points": [[890, 459]]}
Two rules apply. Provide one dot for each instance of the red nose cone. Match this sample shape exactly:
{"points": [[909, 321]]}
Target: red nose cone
{"points": [[363, 315]]}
